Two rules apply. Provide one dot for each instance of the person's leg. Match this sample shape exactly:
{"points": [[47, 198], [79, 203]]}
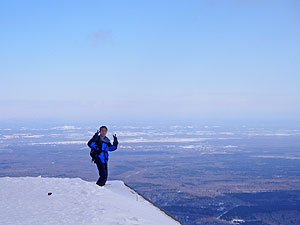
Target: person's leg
{"points": [[102, 168], [104, 175], [106, 171]]}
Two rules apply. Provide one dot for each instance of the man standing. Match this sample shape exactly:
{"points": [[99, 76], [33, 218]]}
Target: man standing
{"points": [[100, 146]]}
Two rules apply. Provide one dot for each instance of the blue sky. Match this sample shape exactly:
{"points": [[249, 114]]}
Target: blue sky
{"points": [[150, 60]]}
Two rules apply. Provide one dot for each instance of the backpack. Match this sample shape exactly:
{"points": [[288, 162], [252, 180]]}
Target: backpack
{"points": [[94, 153]]}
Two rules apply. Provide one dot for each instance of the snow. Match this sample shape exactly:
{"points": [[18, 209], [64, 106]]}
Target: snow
{"points": [[25, 200], [58, 143], [65, 128]]}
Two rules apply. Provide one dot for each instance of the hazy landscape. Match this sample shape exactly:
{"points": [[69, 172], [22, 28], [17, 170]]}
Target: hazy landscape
{"points": [[201, 174], [203, 95]]}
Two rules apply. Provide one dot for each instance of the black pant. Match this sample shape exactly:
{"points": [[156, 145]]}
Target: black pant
{"points": [[103, 173]]}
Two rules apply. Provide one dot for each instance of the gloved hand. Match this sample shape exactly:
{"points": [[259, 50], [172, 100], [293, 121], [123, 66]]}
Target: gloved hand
{"points": [[115, 140]]}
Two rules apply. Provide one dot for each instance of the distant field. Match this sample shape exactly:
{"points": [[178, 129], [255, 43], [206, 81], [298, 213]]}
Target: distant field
{"points": [[199, 174]]}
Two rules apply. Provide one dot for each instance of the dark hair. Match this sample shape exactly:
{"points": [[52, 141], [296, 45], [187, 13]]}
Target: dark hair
{"points": [[103, 127]]}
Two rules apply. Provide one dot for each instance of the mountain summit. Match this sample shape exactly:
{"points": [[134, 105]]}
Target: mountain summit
{"points": [[37, 200]]}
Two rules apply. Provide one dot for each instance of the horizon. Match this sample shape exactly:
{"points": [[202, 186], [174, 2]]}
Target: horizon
{"points": [[150, 61]]}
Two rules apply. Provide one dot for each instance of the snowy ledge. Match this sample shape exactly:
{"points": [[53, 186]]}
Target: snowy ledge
{"points": [[37, 200]]}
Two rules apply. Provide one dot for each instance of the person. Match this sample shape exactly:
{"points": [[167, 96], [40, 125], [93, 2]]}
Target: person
{"points": [[100, 146]]}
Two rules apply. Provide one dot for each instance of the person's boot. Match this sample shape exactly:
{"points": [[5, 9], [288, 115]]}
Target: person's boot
{"points": [[100, 182]]}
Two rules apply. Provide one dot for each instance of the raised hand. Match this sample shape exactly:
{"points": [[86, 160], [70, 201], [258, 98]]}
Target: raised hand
{"points": [[97, 132], [115, 140]]}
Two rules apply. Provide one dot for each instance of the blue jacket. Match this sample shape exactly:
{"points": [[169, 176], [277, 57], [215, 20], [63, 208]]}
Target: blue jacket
{"points": [[103, 146]]}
